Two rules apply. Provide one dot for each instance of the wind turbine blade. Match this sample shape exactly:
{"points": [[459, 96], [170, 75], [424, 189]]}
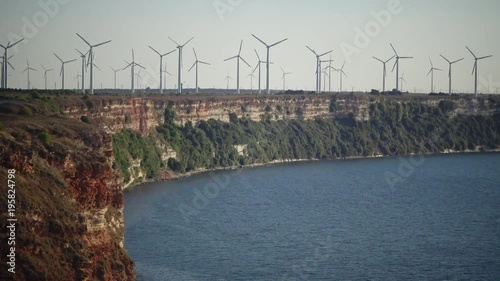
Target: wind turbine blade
{"points": [[241, 46], [112, 68], [140, 66], [193, 66], [231, 58], [474, 67], [245, 61], [431, 62], [97, 67], [24, 71], [10, 46], [187, 42], [195, 55], [312, 51], [344, 73], [471, 52], [260, 40], [62, 68], [394, 65], [378, 60], [429, 72], [390, 59], [100, 44], [133, 56], [258, 57], [43, 67], [79, 52], [445, 59], [484, 57], [256, 67], [326, 53], [282, 70], [58, 57], [405, 57], [169, 53], [343, 66], [438, 69], [206, 63], [84, 40], [174, 42], [457, 61], [154, 50], [70, 61], [278, 43], [394, 49]]}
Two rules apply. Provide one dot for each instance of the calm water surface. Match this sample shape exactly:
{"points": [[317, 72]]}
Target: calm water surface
{"points": [[435, 219]]}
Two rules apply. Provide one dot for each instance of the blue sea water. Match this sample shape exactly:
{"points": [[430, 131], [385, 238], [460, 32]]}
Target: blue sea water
{"points": [[422, 218]]}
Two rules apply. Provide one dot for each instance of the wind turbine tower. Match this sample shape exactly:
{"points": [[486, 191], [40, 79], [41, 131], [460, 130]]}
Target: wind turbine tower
{"points": [[474, 70], [238, 58], [180, 47], [196, 63], [431, 72], [384, 74], [62, 68], [396, 65], [132, 66], [284, 78], [161, 66], [28, 68], [449, 72], [45, 75], [268, 89], [91, 61], [83, 56], [318, 68], [5, 62]]}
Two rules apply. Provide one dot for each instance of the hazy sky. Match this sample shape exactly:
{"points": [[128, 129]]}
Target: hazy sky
{"points": [[421, 29]]}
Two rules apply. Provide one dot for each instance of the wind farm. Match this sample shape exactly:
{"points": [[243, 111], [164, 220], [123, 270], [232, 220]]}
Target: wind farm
{"points": [[250, 140]]}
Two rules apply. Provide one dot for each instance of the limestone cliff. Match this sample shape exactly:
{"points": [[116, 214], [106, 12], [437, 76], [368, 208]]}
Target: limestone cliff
{"points": [[115, 113], [69, 200]]}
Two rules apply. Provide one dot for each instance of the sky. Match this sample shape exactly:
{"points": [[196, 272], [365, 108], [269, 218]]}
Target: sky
{"points": [[355, 30]]}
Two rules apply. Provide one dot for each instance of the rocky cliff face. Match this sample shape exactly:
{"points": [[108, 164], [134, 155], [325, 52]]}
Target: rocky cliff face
{"points": [[114, 114], [69, 200]]}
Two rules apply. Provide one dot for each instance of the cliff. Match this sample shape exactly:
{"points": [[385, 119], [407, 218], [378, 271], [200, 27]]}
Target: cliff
{"points": [[115, 113], [69, 204]]}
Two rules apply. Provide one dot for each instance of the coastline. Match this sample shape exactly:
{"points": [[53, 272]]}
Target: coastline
{"points": [[286, 161]]}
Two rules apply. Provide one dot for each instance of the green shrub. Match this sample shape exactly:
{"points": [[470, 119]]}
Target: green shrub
{"points": [[26, 111], [45, 137], [128, 119], [2, 127]]}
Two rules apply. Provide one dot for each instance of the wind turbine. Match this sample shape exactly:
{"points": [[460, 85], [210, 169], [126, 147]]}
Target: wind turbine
{"points": [[324, 78], [83, 56], [402, 78], [28, 68], [45, 75], [451, 64], [161, 66], [259, 63], [62, 68], [284, 78], [138, 75], [341, 73], [91, 60], [474, 70], [180, 47], [385, 71], [268, 90], [238, 58], [431, 71], [396, 65], [251, 80], [115, 70], [5, 62], [227, 80], [196, 63], [321, 68], [132, 66], [318, 68], [77, 78]]}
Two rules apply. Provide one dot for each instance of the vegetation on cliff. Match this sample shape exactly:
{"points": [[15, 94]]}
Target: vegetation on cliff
{"points": [[393, 129]]}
